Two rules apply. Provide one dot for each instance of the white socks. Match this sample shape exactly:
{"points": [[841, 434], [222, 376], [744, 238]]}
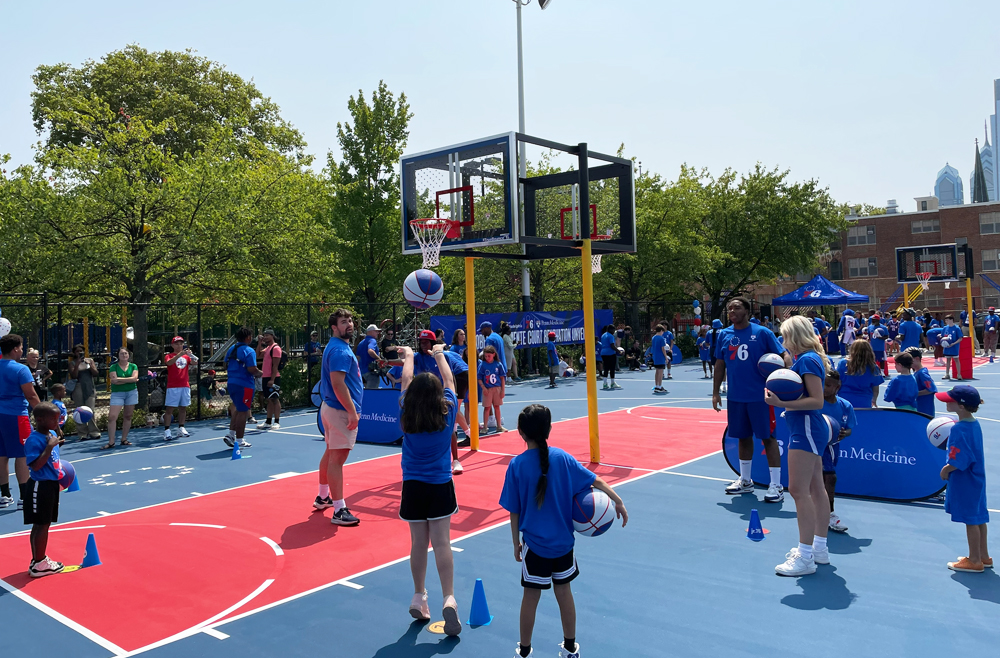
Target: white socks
{"points": [[806, 551], [775, 475], [819, 543], [339, 505], [324, 490], [745, 465]]}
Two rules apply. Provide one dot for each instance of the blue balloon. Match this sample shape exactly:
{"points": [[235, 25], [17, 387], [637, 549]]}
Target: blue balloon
{"points": [[696, 303]]}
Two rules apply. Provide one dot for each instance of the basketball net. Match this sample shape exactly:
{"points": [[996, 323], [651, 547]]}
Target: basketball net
{"points": [[595, 259], [430, 234], [924, 278]]}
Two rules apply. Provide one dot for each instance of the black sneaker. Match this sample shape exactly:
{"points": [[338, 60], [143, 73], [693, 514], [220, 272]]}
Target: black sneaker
{"points": [[344, 517], [229, 440], [323, 503]]}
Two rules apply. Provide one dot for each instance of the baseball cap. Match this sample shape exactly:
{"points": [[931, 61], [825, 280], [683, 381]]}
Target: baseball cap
{"points": [[178, 339], [371, 327], [211, 372], [992, 309], [269, 332], [427, 334], [552, 334], [486, 323], [876, 316], [965, 395]]}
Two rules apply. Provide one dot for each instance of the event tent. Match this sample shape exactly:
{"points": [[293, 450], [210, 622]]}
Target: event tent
{"points": [[820, 291]]}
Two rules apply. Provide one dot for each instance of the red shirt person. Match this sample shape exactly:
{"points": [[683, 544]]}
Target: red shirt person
{"points": [[178, 387]]}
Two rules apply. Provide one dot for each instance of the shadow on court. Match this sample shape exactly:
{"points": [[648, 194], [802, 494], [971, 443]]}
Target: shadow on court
{"points": [[845, 544], [317, 528], [982, 586], [222, 454], [743, 504], [822, 590], [407, 647]]}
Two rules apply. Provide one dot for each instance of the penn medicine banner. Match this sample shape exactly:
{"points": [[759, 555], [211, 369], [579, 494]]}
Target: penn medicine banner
{"points": [[529, 329]]}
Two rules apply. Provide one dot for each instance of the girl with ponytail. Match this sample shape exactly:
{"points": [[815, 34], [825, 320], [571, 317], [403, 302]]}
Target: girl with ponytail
{"points": [[538, 492]]}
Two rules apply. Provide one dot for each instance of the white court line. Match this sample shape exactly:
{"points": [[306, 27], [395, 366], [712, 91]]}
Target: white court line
{"points": [[104, 513], [218, 635], [201, 525], [282, 476], [274, 546], [316, 433], [195, 493], [347, 583], [457, 549], [700, 477]]}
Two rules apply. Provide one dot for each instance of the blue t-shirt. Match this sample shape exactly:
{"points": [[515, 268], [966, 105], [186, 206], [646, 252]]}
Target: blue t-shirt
{"points": [[935, 323], [740, 351], [553, 353], [925, 403], [338, 357], [238, 359], [362, 352], [657, 346], [13, 375], [34, 446], [490, 374], [877, 335], [893, 327], [857, 389], [62, 411], [966, 497], [496, 341], [842, 411], [397, 374], [820, 325], [457, 349], [455, 362], [992, 321], [705, 348], [425, 363], [608, 344], [669, 337], [902, 391], [807, 363], [313, 348], [934, 336], [547, 531], [427, 455], [909, 334], [954, 335]]}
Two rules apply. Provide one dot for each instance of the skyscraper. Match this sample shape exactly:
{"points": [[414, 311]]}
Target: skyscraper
{"points": [[986, 155], [994, 127], [948, 187]]}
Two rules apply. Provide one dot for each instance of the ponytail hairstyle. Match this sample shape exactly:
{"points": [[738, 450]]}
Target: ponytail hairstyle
{"points": [[534, 423]]}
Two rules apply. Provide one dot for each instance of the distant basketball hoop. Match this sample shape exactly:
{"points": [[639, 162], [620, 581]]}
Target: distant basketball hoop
{"points": [[924, 279]]}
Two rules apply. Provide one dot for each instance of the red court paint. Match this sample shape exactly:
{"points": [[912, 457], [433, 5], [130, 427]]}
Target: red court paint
{"points": [[174, 578]]}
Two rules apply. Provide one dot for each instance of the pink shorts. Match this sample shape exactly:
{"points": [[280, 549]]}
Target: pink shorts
{"points": [[492, 397], [335, 431]]}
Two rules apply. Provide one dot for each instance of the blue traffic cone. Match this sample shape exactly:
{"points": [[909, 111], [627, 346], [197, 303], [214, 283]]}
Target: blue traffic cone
{"points": [[90, 556], [755, 532], [480, 614], [237, 453], [74, 485]]}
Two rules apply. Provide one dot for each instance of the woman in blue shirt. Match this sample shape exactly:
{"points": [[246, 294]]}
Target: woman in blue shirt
{"points": [[428, 497], [809, 435], [860, 376]]}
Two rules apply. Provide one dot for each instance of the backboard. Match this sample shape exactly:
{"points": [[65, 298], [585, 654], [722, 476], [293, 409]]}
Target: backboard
{"points": [[944, 262]]}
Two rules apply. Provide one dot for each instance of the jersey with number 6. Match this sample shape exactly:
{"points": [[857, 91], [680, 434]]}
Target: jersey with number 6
{"points": [[740, 350]]}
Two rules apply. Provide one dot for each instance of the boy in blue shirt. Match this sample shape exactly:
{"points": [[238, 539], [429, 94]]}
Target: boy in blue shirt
{"points": [[990, 326], [553, 354], [669, 337], [909, 332], [934, 342], [842, 411], [925, 383], [41, 510], [877, 335], [609, 357], [705, 352], [951, 341], [58, 393], [661, 357], [966, 476], [902, 390], [538, 491]]}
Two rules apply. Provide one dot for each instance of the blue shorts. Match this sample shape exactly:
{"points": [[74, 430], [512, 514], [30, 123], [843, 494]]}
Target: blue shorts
{"points": [[808, 432], [880, 356], [242, 397], [750, 419], [830, 457], [14, 431]]}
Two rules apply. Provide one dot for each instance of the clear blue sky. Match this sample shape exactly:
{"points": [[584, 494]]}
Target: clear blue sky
{"points": [[870, 98]]}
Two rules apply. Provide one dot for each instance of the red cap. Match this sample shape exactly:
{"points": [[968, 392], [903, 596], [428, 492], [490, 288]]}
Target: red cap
{"points": [[178, 339], [427, 334], [552, 334], [876, 316]]}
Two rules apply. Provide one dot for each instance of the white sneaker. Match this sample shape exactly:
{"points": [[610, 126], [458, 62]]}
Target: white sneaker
{"points": [[739, 486], [517, 651], [275, 426], [44, 567], [167, 436], [251, 420], [836, 524], [566, 654], [6, 501], [264, 426], [821, 556], [775, 494], [795, 565], [230, 440], [606, 388], [244, 443], [184, 432], [456, 467], [615, 386]]}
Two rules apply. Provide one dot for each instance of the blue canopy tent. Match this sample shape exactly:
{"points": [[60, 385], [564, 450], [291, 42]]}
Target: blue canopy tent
{"points": [[820, 291]]}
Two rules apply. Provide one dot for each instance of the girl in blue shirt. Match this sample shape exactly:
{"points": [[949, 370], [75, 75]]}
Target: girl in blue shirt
{"points": [[951, 341], [809, 435], [860, 377], [902, 390], [538, 491], [428, 499]]}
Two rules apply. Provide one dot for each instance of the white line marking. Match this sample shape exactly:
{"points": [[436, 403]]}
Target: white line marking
{"points": [[218, 635], [201, 525], [274, 546], [347, 583], [316, 433], [457, 549], [700, 477], [281, 476], [84, 527], [195, 493], [104, 513]]}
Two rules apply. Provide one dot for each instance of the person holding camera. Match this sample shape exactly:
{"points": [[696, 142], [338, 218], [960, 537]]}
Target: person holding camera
{"points": [[82, 371]]}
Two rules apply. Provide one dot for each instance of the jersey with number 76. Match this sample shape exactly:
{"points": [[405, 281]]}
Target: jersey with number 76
{"points": [[741, 350]]}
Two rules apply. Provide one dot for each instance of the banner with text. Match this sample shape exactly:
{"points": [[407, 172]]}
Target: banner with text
{"points": [[529, 329]]}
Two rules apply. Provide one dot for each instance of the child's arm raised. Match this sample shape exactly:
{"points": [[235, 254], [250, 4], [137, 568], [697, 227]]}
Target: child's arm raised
{"points": [[620, 510], [407, 375]]}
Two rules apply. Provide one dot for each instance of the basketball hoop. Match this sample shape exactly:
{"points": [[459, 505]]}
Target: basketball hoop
{"points": [[430, 234], [924, 279], [595, 259]]}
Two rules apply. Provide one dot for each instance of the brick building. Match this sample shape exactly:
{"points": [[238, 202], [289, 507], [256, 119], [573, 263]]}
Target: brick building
{"points": [[864, 259]]}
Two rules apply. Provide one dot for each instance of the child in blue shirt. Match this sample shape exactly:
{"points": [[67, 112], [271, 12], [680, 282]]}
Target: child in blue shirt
{"points": [[491, 377], [966, 476], [951, 342], [902, 390], [428, 409], [925, 383], [553, 354], [538, 491], [842, 411], [705, 352], [41, 509], [395, 376], [58, 393]]}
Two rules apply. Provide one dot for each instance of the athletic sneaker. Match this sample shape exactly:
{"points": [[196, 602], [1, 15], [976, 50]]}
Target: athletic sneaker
{"points": [[418, 607], [566, 654], [44, 567], [456, 467], [245, 444], [167, 436], [775, 494], [795, 565], [517, 651], [344, 517], [230, 440], [264, 426], [607, 386], [616, 387], [323, 503], [6, 501], [452, 625], [184, 432], [836, 524], [821, 556], [251, 420], [275, 426], [739, 486], [966, 565]]}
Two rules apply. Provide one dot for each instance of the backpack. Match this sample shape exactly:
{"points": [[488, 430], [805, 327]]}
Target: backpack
{"points": [[283, 361]]}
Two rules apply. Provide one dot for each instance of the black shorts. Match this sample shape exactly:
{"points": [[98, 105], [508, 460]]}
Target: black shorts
{"points": [[610, 362], [461, 385], [42, 505], [540, 572], [421, 501], [273, 389]]}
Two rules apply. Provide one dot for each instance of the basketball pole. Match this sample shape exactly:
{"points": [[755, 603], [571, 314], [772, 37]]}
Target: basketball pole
{"points": [[590, 348], [471, 349], [968, 300], [906, 296]]}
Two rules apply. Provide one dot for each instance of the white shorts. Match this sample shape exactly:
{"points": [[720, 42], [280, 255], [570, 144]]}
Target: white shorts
{"points": [[178, 397], [335, 431]]}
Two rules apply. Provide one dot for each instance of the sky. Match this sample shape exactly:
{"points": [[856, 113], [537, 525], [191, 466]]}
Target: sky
{"points": [[869, 98]]}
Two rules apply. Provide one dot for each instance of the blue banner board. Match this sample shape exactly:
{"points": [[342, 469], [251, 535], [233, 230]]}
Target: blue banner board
{"points": [[529, 329], [379, 415], [886, 456]]}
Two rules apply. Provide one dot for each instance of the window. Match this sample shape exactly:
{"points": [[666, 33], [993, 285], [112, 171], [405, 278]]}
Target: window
{"points": [[923, 205], [933, 300], [836, 270], [861, 235], [990, 260], [861, 267], [988, 302], [925, 226], [835, 245], [989, 222]]}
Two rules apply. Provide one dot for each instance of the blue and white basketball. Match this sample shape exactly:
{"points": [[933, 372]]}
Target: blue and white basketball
{"points": [[769, 363], [834, 426], [938, 431], [82, 415], [785, 383], [593, 513], [423, 289]]}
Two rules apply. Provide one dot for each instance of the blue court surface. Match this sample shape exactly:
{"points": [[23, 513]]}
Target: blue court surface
{"points": [[682, 579]]}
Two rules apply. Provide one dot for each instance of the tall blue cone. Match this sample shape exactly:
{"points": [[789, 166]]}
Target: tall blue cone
{"points": [[237, 453], [74, 486], [90, 556], [480, 613], [755, 532]]}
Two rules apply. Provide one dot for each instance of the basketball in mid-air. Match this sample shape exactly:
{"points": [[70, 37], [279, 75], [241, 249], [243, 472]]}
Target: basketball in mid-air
{"points": [[423, 289]]}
